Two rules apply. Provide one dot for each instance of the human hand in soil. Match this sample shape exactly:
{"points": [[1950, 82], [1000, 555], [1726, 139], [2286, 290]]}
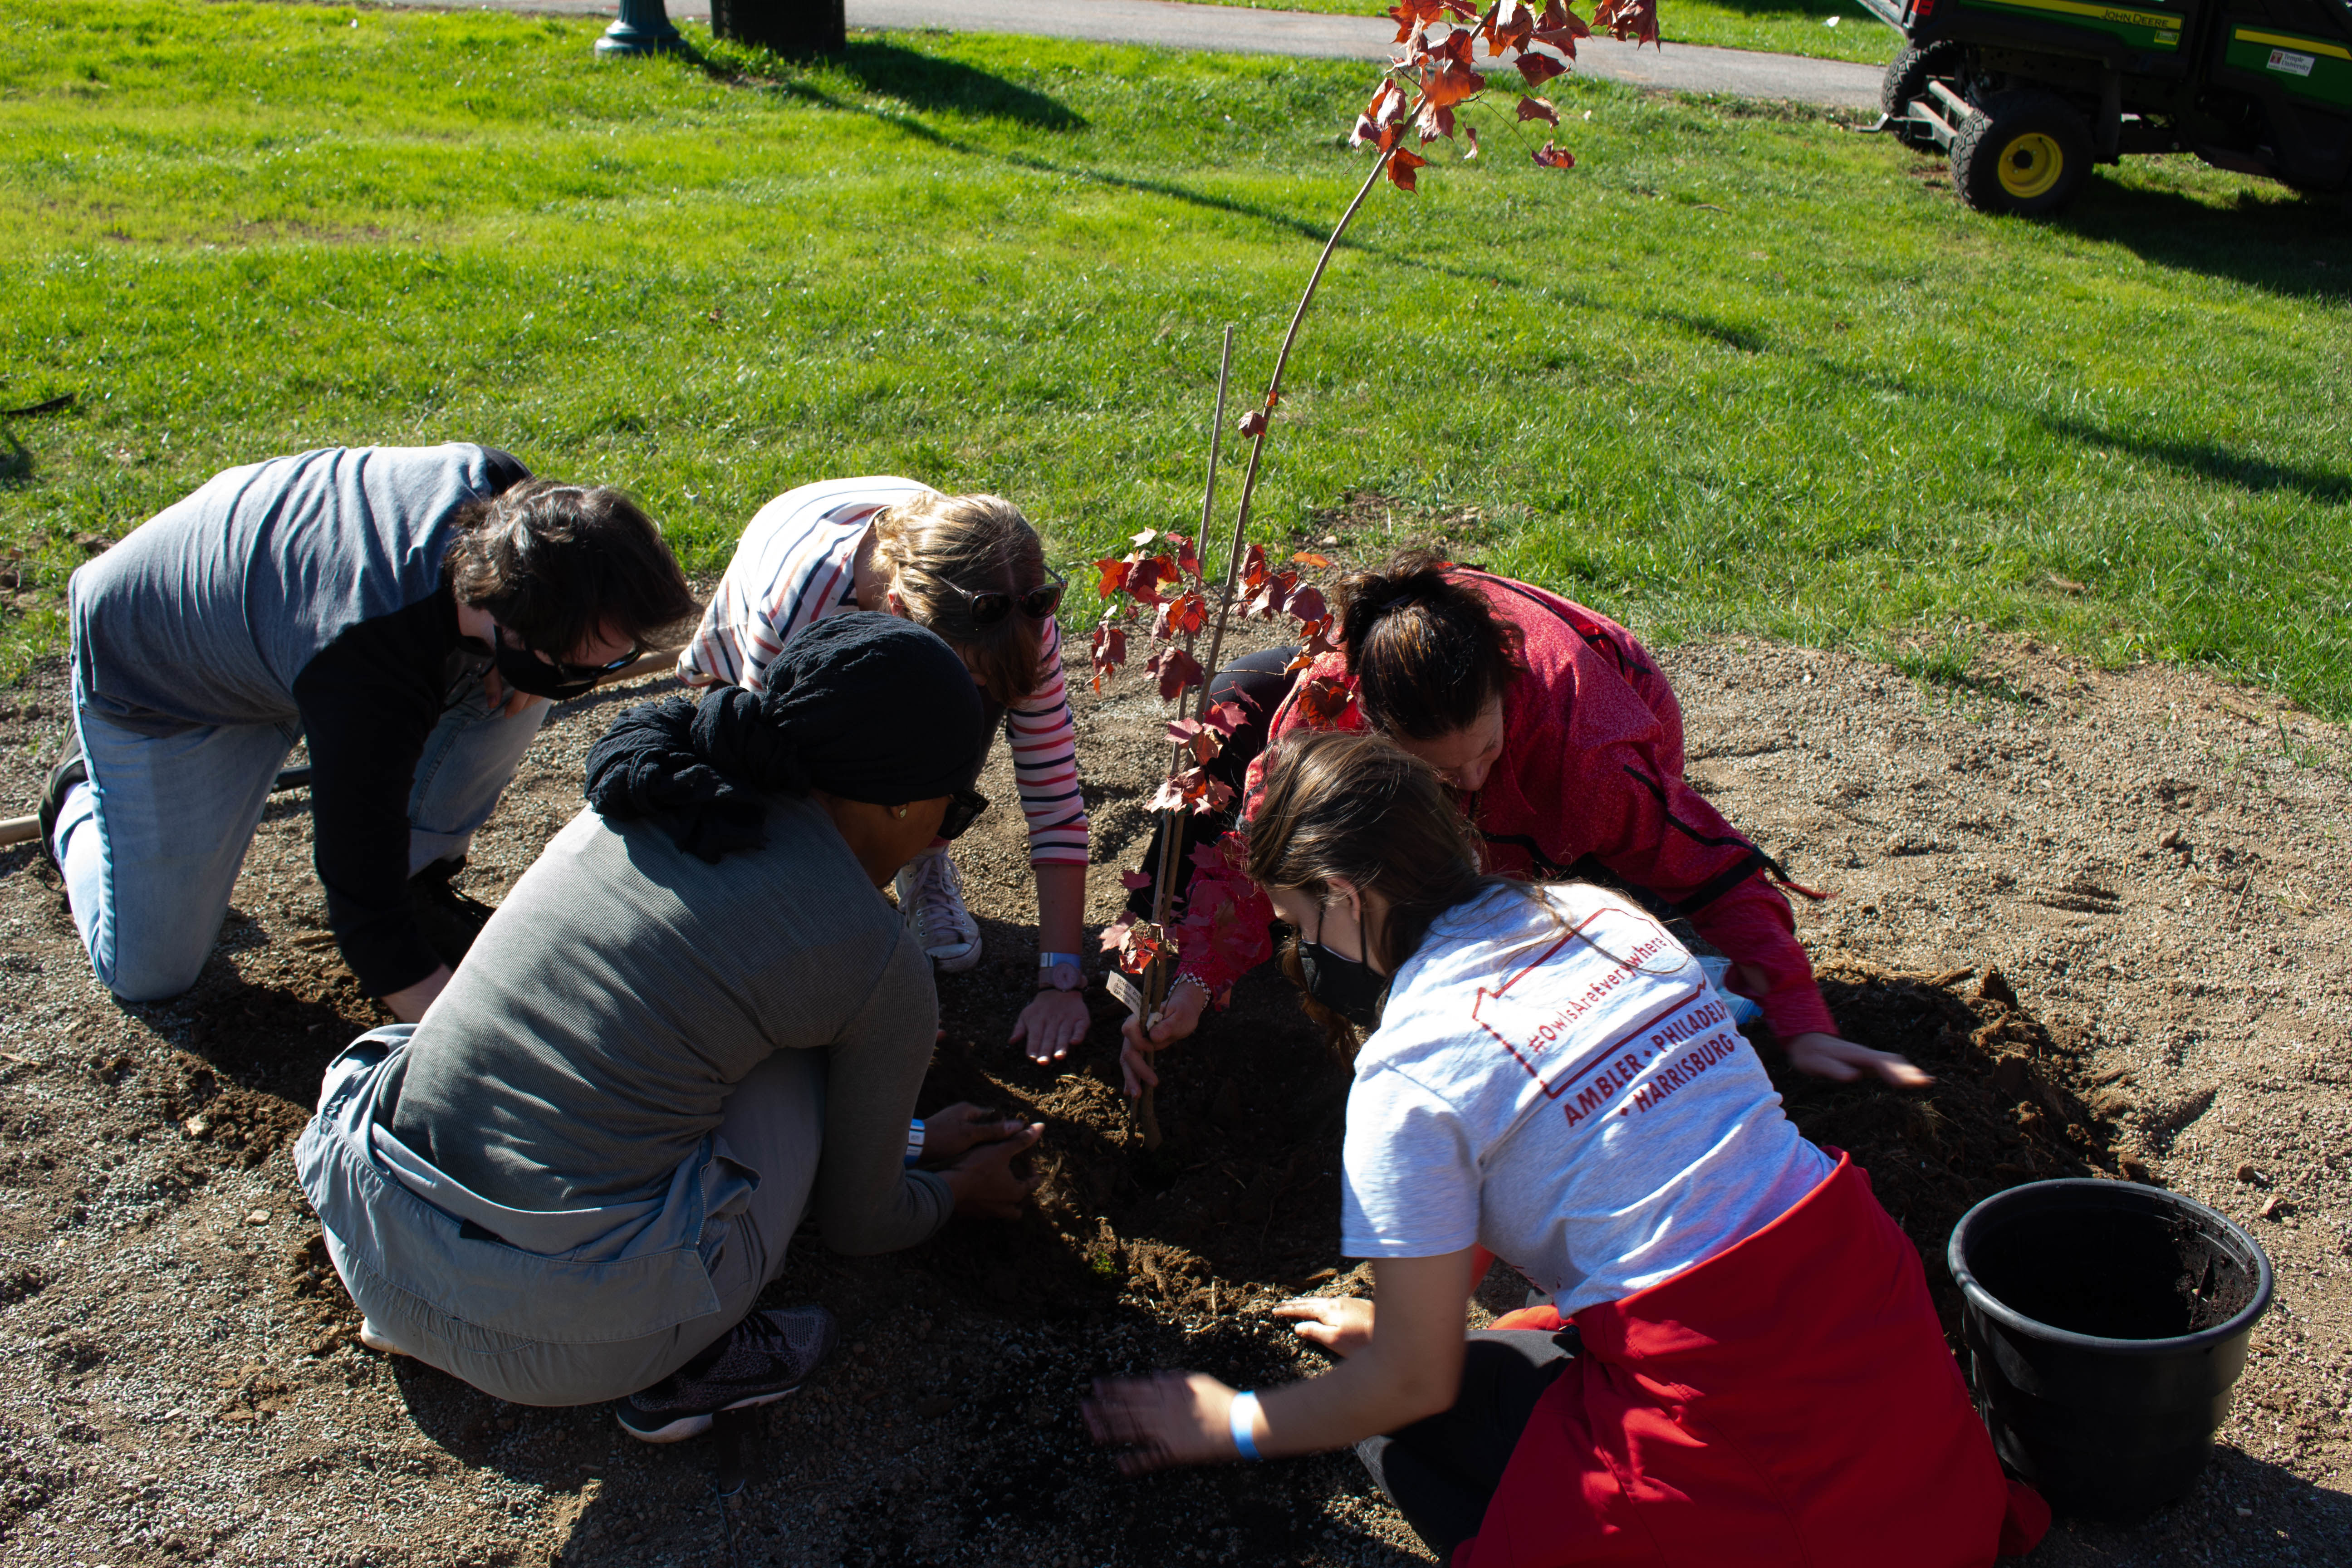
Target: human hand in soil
{"points": [[1167, 1418], [1179, 1016], [1341, 1324], [1842, 1061], [982, 1180], [1052, 1024], [949, 1134]]}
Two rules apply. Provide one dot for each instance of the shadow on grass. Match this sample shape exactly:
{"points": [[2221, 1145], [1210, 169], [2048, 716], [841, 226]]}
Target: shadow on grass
{"points": [[2213, 460], [934, 86], [927, 85], [924, 83], [2292, 247]]}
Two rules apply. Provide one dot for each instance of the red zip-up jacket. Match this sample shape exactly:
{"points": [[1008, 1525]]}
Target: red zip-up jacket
{"points": [[1591, 766]]}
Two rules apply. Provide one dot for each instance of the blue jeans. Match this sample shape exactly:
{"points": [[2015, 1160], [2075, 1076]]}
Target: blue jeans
{"points": [[570, 1308], [153, 844]]}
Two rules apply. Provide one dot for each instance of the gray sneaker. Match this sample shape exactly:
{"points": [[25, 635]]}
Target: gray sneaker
{"points": [[757, 1361], [931, 900]]}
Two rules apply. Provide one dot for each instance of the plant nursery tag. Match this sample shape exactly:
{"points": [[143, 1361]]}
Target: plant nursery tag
{"points": [[1130, 996]]}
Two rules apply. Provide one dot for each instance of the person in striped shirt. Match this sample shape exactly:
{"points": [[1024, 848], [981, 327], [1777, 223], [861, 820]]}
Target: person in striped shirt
{"points": [[972, 569]]}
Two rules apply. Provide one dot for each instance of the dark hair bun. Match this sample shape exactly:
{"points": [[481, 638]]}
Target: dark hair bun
{"points": [[1426, 649]]}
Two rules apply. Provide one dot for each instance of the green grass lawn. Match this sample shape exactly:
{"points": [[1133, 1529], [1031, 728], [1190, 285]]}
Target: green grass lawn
{"points": [[1783, 25], [1735, 369]]}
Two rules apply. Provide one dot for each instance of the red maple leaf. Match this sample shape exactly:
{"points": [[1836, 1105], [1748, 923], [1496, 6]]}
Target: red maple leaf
{"points": [[1470, 135], [1271, 597], [1226, 717], [1402, 164], [1537, 108], [1228, 854], [1309, 558], [1144, 577], [1188, 560], [1253, 567], [1506, 26], [1308, 605], [1137, 943], [1109, 652], [1560, 27], [1178, 671], [1201, 742], [1539, 68], [1323, 702], [1134, 881], [1454, 84], [1433, 121], [1253, 424], [1387, 107], [1410, 14], [1456, 48], [1634, 19], [1113, 576], [1551, 157]]}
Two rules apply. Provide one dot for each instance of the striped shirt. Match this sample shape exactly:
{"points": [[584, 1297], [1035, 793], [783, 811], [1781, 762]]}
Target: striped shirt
{"points": [[795, 565]]}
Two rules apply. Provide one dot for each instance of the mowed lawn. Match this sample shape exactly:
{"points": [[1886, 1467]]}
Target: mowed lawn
{"points": [[1739, 369], [1788, 26]]}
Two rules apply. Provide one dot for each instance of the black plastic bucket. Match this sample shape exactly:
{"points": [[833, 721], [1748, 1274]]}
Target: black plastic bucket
{"points": [[2106, 1324]]}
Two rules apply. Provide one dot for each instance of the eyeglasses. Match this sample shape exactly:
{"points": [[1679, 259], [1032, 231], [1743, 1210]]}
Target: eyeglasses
{"points": [[991, 606], [592, 673], [964, 807]]}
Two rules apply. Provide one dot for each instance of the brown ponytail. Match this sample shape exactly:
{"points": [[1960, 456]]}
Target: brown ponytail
{"points": [[1427, 651]]}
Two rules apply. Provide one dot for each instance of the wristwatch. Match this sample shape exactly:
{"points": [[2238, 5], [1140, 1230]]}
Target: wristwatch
{"points": [[1060, 970]]}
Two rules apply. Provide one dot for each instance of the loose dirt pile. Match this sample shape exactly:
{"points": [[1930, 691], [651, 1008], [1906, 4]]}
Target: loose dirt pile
{"points": [[2105, 910]]}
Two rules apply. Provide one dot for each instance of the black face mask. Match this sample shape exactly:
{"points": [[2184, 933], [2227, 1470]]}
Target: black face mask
{"points": [[1349, 986]]}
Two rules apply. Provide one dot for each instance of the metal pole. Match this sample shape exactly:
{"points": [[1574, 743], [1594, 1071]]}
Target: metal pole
{"points": [[643, 29]]}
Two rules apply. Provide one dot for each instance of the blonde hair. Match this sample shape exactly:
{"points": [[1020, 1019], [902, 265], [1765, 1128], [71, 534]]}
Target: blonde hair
{"points": [[932, 545]]}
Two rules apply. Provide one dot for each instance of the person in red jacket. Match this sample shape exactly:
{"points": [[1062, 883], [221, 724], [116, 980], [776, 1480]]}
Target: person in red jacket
{"points": [[1738, 1363], [1562, 744]]}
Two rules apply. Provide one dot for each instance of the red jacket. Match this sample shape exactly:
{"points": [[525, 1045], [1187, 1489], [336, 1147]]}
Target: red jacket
{"points": [[1789, 1403], [1592, 765]]}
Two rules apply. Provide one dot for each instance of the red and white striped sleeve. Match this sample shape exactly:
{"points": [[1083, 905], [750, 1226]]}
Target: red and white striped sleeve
{"points": [[792, 568], [1045, 741]]}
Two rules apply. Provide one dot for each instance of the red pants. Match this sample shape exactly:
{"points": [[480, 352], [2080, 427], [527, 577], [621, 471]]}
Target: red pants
{"points": [[1789, 1401]]}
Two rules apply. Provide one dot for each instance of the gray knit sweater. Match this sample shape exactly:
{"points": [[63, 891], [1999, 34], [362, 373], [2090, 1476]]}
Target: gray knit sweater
{"points": [[589, 1039]]}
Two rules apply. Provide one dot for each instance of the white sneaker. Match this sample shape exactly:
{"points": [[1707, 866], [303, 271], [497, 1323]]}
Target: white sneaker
{"points": [[931, 900]]}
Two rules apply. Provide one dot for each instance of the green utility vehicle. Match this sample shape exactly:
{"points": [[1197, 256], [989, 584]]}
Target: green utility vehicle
{"points": [[2028, 94]]}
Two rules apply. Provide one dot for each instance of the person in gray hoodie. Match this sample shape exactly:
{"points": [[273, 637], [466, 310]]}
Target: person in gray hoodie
{"points": [[692, 1021], [406, 612]]}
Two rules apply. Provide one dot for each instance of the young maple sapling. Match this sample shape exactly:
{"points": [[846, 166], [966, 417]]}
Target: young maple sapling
{"points": [[1419, 95]]}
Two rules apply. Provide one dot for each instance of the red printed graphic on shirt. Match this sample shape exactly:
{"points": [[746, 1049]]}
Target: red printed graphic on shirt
{"points": [[1641, 1065]]}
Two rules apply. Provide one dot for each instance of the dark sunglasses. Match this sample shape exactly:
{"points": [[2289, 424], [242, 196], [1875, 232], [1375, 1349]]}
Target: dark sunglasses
{"points": [[592, 673], [1039, 603], [964, 807]]}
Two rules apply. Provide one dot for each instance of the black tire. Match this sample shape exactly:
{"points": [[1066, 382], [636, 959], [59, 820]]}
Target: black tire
{"points": [[1908, 75], [2026, 153]]}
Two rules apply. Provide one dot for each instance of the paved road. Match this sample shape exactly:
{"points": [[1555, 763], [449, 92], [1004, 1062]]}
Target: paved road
{"points": [[1684, 67]]}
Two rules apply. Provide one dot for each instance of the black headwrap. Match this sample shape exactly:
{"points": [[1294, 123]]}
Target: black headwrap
{"points": [[863, 706]]}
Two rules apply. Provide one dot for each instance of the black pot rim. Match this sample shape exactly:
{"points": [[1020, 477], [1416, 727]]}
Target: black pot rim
{"points": [[1983, 1300]]}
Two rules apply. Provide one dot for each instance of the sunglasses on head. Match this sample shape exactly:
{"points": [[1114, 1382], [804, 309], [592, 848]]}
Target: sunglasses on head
{"points": [[964, 807], [988, 608]]}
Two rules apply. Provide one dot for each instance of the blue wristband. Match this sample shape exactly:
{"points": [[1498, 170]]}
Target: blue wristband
{"points": [[1243, 1417], [914, 1141]]}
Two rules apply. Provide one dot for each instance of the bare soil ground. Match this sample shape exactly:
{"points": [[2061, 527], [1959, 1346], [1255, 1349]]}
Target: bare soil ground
{"points": [[2107, 910]]}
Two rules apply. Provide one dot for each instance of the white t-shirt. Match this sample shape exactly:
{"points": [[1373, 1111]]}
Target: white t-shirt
{"points": [[1581, 1105]]}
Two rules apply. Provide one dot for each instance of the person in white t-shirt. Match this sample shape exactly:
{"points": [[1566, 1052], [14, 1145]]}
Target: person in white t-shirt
{"points": [[1739, 1356], [972, 569]]}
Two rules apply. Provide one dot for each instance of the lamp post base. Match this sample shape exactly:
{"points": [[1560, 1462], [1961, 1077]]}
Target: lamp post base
{"points": [[643, 28]]}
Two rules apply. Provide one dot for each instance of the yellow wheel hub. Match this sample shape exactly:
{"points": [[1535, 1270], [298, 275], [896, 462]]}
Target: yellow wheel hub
{"points": [[2030, 164]]}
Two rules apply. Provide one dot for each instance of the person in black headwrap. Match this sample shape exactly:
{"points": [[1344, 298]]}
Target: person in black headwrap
{"points": [[691, 1021]]}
